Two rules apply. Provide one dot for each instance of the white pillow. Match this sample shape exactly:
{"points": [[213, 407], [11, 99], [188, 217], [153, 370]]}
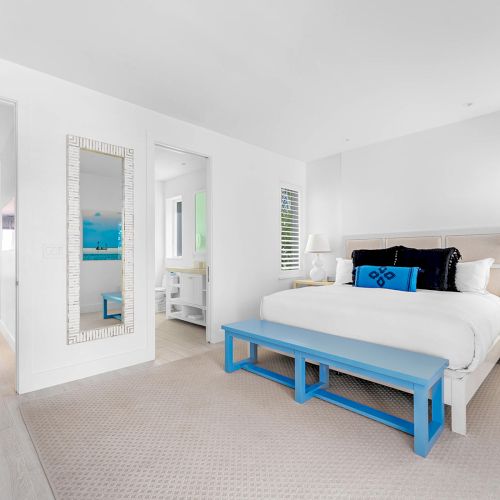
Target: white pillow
{"points": [[473, 276], [343, 273]]}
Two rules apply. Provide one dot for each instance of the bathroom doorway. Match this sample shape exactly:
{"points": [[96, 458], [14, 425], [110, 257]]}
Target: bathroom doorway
{"points": [[9, 345], [182, 253]]}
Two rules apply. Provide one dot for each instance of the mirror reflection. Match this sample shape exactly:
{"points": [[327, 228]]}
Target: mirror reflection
{"points": [[200, 222], [101, 204]]}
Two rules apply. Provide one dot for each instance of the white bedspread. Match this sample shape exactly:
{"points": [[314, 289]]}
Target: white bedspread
{"points": [[460, 327]]}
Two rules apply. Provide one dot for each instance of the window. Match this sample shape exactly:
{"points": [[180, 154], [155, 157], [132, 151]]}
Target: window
{"points": [[290, 229], [174, 227]]}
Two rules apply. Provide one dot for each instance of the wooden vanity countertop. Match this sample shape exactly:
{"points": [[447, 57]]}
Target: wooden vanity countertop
{"points": [[187, 270]]}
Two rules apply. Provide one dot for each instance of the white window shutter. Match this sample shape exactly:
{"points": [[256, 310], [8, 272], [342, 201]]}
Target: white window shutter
{"points": [[290, 229]]}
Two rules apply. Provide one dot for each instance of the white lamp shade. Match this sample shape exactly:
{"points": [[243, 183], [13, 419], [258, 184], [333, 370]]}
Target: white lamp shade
{"points": [[317, 243]]}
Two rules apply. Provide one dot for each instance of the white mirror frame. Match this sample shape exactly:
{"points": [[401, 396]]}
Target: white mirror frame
{"points": [[74, 145]]}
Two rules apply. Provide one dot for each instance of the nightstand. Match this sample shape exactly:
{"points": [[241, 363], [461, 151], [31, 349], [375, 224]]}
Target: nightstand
{"points": [[301, 283]]}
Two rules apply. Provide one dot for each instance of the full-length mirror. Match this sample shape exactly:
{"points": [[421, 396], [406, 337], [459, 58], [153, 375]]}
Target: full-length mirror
{"points": [[100, 237]]}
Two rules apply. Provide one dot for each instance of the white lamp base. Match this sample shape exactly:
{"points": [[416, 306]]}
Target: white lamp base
{"points": [[317, 272]]}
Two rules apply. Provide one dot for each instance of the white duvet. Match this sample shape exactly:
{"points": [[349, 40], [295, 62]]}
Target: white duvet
{"points": [[460, 327]]}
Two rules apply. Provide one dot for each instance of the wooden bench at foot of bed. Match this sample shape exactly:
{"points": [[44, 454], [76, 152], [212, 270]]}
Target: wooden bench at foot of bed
{"points": [[418, 373]]}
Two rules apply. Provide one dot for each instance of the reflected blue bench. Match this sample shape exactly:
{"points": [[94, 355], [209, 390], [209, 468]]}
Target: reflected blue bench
{"points": [[418, 373], [111, 297]]}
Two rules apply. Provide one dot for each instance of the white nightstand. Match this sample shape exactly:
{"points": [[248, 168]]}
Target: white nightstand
{"points": [[301, 283]]}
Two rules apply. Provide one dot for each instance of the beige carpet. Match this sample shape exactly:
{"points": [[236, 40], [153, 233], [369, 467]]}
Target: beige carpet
{"points": [[189, 430]]}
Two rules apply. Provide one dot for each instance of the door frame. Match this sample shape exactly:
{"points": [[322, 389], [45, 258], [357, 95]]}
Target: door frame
{"points": [[152, 145], [15, 103]]}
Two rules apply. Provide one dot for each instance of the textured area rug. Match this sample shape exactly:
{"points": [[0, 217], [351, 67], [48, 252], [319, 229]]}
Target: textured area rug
{"points": [[189, 430]]}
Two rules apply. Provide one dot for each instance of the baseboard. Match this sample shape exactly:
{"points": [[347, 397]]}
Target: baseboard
{"points": [[218, 335], [7, 335], [50, 378]]}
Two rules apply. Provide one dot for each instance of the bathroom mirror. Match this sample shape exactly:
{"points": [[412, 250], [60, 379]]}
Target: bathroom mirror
{"points": [[200, 207], [100, 240]]}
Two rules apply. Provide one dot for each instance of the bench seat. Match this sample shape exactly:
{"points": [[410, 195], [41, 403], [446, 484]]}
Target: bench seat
{"points": [[416, 372]]}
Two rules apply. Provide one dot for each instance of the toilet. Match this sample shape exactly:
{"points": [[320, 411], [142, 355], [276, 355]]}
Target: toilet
{"points": [[161, 296]]}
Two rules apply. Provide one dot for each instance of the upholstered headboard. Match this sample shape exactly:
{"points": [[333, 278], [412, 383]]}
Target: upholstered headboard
{"points": [[472, 246]]}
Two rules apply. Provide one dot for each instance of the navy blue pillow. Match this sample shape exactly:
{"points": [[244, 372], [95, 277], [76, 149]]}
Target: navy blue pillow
{"points": [[438, 266], [391, 277], [379, 257]]}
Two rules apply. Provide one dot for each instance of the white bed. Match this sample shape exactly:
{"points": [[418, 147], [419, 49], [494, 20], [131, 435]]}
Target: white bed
{"points": [[461, 327]]}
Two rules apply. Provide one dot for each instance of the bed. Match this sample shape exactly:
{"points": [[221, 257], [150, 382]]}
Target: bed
{"points": [[461, 327]]}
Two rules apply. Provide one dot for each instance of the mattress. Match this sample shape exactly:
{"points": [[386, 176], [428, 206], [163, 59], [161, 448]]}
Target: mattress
{"points": [[460, 327]]}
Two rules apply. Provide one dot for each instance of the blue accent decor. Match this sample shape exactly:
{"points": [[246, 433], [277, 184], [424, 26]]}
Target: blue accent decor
{"points": [[102, 256], [101, 230], [413, 371], [394, 278], [111, 297]]}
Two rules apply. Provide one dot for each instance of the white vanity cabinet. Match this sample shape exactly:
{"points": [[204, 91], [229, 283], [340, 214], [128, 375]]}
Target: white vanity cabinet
{"points": [[187, 295], [191, 288]]}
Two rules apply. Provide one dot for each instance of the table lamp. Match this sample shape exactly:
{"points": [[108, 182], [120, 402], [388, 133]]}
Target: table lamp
{"points": [[317, 243]]}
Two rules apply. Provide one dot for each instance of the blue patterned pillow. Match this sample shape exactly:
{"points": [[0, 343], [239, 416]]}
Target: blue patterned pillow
{"points": [[394, 278]]}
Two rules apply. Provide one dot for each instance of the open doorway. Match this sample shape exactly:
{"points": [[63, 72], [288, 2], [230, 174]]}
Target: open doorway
{"points": [[182, 284], [8, 236]]}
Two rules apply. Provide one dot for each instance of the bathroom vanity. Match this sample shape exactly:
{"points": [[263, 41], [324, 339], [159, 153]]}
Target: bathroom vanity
{"points": [[187, 294]]}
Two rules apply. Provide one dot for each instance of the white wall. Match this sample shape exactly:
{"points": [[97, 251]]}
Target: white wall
{"points": [[324, 202], [443, 178], [8, 289], [245, 184]]}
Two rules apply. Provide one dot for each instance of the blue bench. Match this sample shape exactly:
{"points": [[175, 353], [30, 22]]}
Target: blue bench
{"points": [[418, 373], [111, 297]]}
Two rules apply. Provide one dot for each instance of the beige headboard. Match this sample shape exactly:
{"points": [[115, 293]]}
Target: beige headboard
{"points": [[472, 246]]}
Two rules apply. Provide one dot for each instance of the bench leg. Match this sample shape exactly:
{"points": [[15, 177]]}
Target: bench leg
{"points": [[228, 357], [324, 375], [300, 378], [253, 353], [105, 308], [421, 421], [438, 402], [229, 364], [426, 433], [304, 392]]}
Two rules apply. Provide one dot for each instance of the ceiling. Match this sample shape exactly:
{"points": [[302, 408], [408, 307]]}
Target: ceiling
{"points": [[170, 163], [305, 78]]}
